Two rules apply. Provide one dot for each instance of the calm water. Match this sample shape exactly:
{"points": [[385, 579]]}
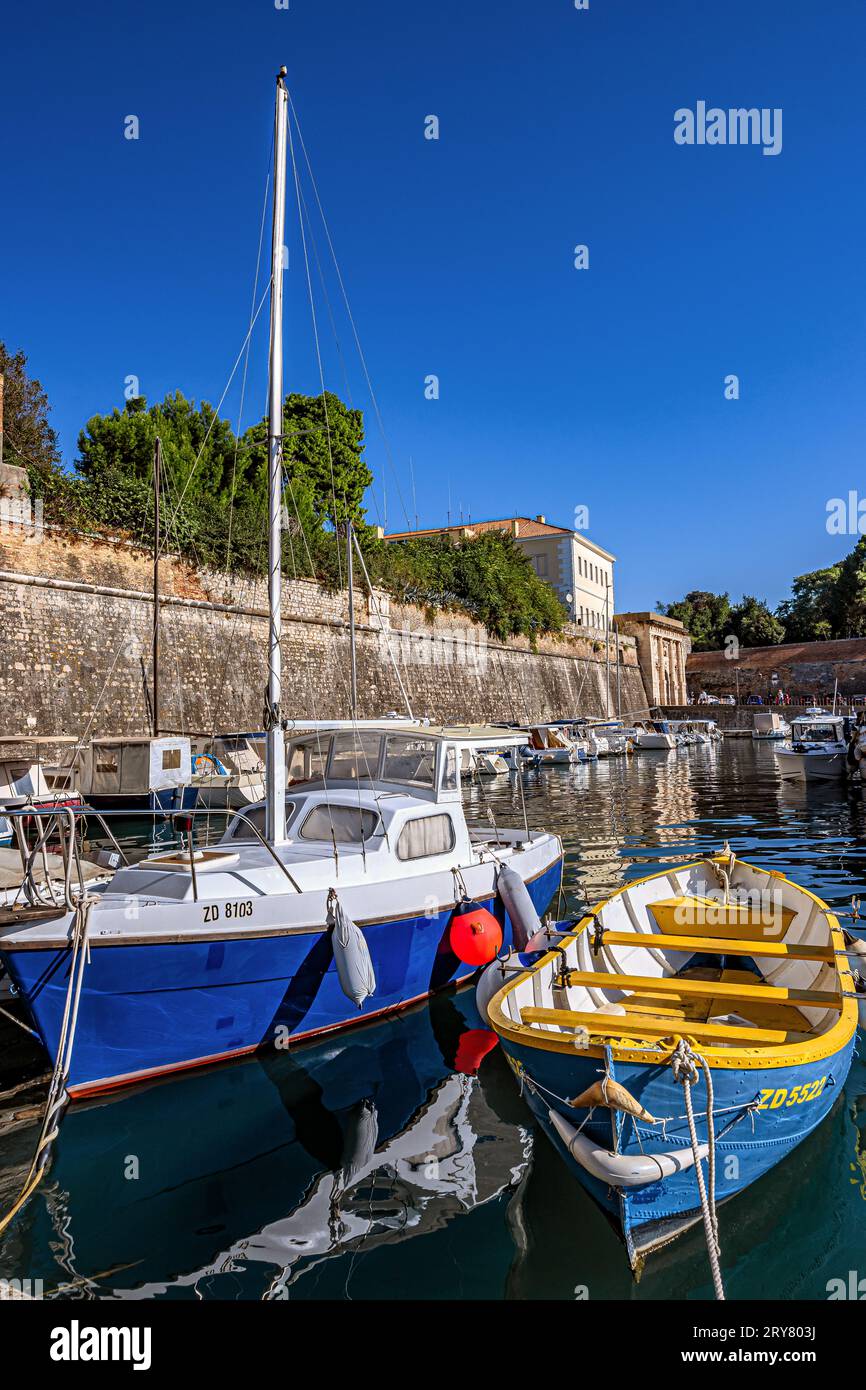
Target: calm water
{"points": [[400, 1161]]}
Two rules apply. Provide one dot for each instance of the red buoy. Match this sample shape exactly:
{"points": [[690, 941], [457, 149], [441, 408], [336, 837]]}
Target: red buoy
{"points": [[475, 936], [472, 1048]]}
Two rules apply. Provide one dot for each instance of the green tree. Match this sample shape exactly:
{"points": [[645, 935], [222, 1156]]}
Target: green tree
{"points": [[488, 577], [323, 444], [705, 616], [811, 614], [754, 625], [28, 439], [850, 593]]}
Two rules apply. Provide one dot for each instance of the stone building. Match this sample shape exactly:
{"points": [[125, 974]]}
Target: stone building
{"points": [[579, 571], [663, 646]]}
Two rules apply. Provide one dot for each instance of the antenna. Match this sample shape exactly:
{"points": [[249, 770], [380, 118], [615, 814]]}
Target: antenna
{"points": [[414, 498]]}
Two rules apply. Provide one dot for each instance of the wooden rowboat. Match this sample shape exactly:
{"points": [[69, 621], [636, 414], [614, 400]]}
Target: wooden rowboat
{"points": [[681, 1039]]}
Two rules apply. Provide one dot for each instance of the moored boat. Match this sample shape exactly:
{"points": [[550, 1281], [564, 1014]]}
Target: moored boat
{"points": [[135, 773], [703, 1017], [228, 770], [654, 734], [769, 724], [207, 953], [355, 888], [817, 748], [549, 746]]}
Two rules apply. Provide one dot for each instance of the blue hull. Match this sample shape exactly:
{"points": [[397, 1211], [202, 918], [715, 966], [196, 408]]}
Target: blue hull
{"points": [[149, 1009], [170, 799], [749, 1142]]}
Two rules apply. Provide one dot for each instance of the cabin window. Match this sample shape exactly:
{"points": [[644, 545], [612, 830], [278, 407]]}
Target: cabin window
{"points": [[170, 759], [106, 765], [355, 755], [306, 760], [426, 835], [816, 733], [410, 760], [346, 825], [256, 817], [449, 776]]}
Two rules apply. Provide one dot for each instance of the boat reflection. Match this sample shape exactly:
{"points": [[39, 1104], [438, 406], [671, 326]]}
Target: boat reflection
{"points": [[241, 1181]]}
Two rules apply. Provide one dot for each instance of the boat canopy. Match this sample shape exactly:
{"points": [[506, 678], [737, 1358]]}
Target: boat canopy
{"points": [[114, 766], [422, 761]]}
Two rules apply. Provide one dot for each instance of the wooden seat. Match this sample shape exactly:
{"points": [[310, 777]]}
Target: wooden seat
{"points": [[646, 1026], [738, 992], [683, 915], [720, 946]]}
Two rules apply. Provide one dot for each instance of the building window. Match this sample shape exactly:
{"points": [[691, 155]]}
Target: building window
{"points": [[540, 563]]}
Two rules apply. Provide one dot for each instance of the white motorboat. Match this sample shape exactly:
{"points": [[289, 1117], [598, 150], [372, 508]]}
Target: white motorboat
{"points": [[228, 770], [817, 748], [654, 734], [26, 781], [548, 745], [769, 724]]}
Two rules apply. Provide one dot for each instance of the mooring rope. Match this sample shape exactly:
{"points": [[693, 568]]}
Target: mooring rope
{"points": [[57, 1094], [685, 1064]]}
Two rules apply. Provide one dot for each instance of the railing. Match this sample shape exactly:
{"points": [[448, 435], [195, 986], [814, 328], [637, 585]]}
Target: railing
{"points": [[63, 821]]}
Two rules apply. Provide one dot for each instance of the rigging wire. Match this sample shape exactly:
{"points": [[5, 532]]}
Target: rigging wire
{"points": [[351, 318]]}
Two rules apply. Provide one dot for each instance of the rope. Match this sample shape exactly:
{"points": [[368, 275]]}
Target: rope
{"points": [[685, 1067], [57, 1094]]}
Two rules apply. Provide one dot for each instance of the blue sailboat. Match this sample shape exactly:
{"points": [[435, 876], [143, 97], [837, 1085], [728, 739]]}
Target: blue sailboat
{"points": [[336, 900]]}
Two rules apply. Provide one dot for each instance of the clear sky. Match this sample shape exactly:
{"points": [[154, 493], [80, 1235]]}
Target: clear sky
{"points": [[558, 387]]}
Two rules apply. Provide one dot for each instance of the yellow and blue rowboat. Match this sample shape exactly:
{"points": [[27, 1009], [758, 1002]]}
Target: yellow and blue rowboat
{"points": [[717, 976]]}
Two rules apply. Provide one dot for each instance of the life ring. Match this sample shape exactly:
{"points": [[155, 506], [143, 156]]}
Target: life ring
{"points": [[216, 767]]}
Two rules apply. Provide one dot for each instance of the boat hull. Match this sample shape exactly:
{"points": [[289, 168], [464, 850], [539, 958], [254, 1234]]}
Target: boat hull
{"points": [[748, 1142], [820, 766], [156, 1007], [169, 799]]}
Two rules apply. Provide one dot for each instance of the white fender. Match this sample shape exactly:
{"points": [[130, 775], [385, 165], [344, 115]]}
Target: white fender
{"points": [[351, 955], [491, 980], [622, 1170], [519, 906]]}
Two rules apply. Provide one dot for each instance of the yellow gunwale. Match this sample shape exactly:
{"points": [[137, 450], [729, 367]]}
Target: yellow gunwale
{"points": [[726, 1058]]}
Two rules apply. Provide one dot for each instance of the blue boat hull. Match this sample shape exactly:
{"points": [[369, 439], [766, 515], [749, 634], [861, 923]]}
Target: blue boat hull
{"points": [[169, 799], [760, 1114], [153, 1008]]}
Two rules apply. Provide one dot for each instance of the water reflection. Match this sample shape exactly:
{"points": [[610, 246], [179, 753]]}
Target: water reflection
{"points": [[242, 1181], [400, 1161]]}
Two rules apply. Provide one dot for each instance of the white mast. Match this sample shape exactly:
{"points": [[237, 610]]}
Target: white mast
{"points": [[275, 775]]}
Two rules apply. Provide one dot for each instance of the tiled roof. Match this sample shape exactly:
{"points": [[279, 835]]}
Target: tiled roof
{"points": [[527, 526]]}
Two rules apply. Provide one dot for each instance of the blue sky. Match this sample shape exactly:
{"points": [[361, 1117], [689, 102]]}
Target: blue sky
{"points": [[558, 387]]}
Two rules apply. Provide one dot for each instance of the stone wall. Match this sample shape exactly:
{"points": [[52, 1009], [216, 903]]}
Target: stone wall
{"points": [[807, 671], [75, 652]]}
